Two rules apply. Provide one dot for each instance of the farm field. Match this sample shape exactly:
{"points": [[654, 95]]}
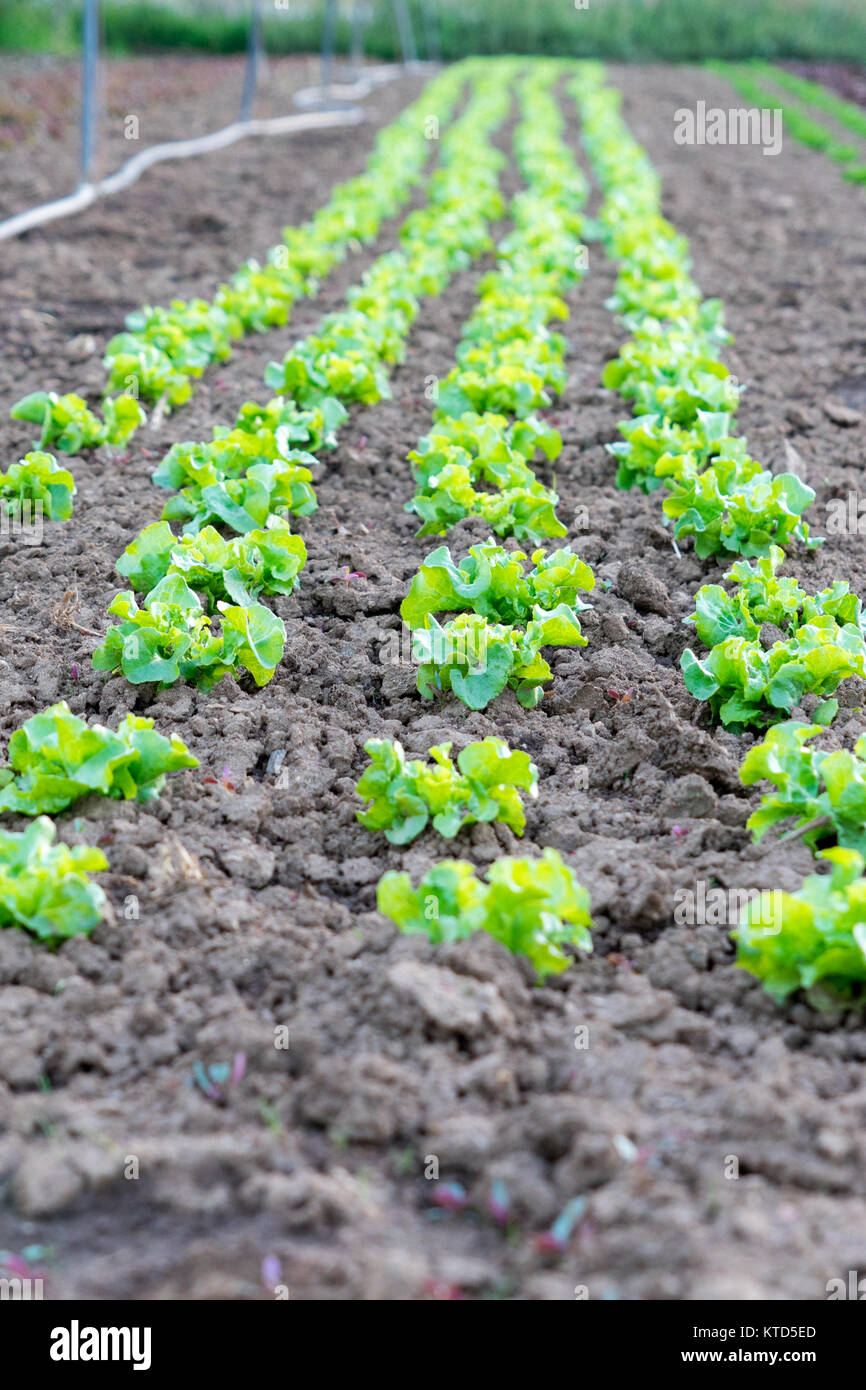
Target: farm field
{"points": [[244, 899]]}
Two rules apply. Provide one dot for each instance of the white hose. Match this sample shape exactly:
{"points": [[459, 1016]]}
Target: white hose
{"points": [[362, 86], [174, 149]]}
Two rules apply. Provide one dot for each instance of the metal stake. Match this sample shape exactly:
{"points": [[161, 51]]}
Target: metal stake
{"points": [[406, 32], [254, 53], [329, 41], [89, 85], [431, 30]]}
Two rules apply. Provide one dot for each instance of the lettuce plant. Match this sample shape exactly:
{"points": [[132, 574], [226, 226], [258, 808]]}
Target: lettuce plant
{"points": [[651, 441], [171, 638], [266, 561], [737, 507], [476, 449], [55, 758], [44, 887], [39, 481], [147, 369], [311, 428], [69, 425], [261, 435], [477, 660], [406, 794], [244, 504], [747, 680], [163, 348], [671, 372], [533, 907], [491, 582], [313, 371], [260, 297], [814, 939], [487, 647], [526, 510], [823, 793], [511, 383], [488, 443]]}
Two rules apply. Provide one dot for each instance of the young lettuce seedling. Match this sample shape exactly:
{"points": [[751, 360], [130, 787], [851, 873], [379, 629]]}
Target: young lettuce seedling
{"points": [[406, 794], [504, 618], [171, 638], [824, 793], [533, 907], [38, 481], [771, 644], [55, 758], [266, 561], [813, 940], [44, 887], [68, 424]]}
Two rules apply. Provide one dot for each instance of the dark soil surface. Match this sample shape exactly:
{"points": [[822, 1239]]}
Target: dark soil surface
{"points": [[143, 102], [847, 79], [257, 901]]}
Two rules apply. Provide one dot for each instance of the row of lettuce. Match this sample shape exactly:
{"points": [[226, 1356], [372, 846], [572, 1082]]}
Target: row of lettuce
{"points": [[249, 479], [770, 644], [476, 461], [164, 350], [805, 107], [55, 758]]}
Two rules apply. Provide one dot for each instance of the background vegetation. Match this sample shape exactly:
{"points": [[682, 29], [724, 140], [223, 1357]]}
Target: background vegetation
{"points": [[673, 30]]}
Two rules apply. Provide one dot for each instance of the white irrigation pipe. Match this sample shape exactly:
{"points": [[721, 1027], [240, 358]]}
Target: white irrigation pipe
{"points": [[334, 91], [174, 149], [348, 91]]}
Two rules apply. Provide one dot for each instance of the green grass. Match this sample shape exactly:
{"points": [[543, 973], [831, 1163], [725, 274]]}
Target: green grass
{"points": [[671, 30]]}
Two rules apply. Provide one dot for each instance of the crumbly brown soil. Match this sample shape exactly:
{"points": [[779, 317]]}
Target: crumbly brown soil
{"points": [[257, 902], [847, 79]]}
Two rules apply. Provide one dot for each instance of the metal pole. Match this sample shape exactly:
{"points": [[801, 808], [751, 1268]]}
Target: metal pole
{"points": [[431, 30], [254, 49], [329, 41], [89, 80], [360, 16], [406, 32]]}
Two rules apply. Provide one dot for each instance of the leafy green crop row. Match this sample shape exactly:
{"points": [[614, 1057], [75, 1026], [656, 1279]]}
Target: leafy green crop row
{"points": [[682, 393], [770, 643], [349, 355], [508, 360], [164, 349], [751, 82], [249, 479]]}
